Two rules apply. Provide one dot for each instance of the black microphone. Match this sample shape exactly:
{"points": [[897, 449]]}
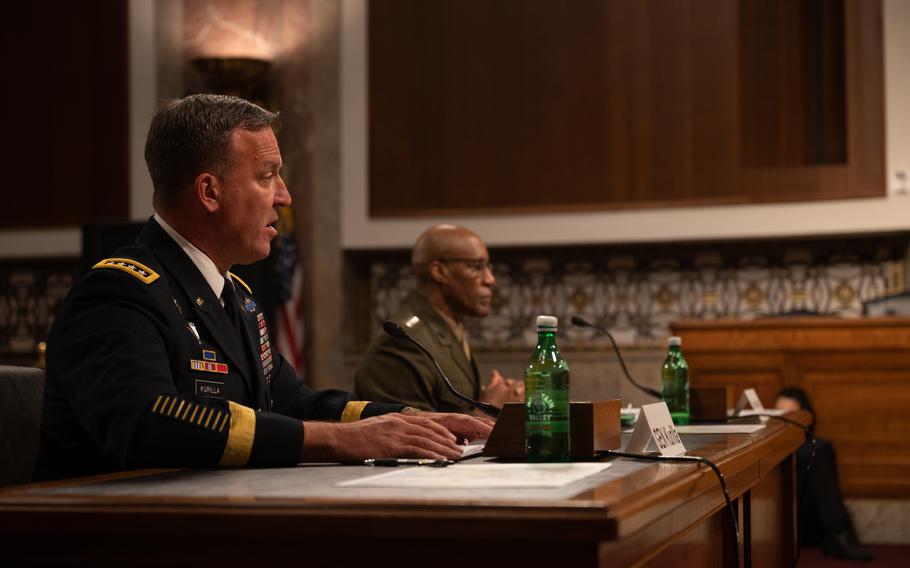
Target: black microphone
{"points": [[393, 329], [585, 323]]}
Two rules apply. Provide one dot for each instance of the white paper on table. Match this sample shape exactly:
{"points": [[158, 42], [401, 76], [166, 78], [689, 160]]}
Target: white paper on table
{"points": [[772, 411], [719, 428], [473, 448], [469, 476], [753, 416]]}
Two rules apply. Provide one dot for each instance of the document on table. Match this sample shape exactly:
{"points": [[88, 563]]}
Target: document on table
{"points": [[719, 428], [485, 475], [473, 448], [771, 411]]}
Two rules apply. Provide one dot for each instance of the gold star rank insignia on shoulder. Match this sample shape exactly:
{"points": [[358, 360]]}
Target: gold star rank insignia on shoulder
{"points": [[136, 269]]}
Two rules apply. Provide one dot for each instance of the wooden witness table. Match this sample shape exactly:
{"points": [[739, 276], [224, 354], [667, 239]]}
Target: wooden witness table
{"points": [[633, 513]]}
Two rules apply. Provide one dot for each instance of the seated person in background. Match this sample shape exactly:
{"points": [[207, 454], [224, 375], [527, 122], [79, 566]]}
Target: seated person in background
{"points": [[160, 357], [823, 517], [454, 281]]}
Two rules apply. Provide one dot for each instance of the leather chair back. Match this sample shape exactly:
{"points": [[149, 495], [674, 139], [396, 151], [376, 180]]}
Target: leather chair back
{"points": [[21, 396]]}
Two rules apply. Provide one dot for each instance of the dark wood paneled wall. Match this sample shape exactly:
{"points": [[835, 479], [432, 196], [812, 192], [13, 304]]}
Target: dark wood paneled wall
{"points": [[66, 111], [514, 105]]}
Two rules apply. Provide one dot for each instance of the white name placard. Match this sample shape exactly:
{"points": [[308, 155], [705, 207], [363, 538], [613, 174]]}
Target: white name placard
{"points": [[749, 398], [655, 424]]}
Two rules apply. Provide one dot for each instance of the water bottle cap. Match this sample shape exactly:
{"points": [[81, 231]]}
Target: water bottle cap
{"points": [[546, 322], [675, 341]]}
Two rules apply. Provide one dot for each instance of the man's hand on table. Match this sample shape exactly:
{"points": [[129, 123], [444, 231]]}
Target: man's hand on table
{"points": [[431, 435]]}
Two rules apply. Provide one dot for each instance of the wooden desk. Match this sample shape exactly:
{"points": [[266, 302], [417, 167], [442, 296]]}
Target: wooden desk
{"points": [[857, 374], [633, 513]]}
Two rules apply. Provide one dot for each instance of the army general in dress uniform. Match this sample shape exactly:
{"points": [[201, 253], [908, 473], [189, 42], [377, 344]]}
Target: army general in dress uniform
{"points": [[160, 357]]}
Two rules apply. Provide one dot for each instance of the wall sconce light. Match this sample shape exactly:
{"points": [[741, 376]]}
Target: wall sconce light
{"points": [[240, 76]]}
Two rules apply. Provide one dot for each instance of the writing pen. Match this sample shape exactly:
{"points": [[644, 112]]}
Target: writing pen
{"points": [[394, 462]]}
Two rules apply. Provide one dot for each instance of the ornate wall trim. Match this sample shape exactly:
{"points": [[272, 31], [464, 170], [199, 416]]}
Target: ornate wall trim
{"points": [[30, 293]]}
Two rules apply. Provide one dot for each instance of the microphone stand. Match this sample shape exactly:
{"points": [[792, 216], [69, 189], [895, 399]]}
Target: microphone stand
{"points": [[580, 322], [395, 330]]}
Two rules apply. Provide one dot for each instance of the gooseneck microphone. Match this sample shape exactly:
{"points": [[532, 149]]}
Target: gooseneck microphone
{"points": [[393, 329], [577, 321]]}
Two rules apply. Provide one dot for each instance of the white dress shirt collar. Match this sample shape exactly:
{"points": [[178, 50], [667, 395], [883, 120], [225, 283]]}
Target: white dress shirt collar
{"points": [[203, 263]]}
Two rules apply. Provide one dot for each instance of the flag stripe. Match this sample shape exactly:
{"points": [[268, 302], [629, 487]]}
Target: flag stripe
{"points": [[290, 339], [290, 333]]}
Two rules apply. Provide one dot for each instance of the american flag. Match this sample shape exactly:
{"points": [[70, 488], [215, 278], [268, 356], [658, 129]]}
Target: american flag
{"points": [[289, 336]]}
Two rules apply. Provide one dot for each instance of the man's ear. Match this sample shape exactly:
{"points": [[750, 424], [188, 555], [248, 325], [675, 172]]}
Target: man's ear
{"points": [[438, 273], [208, 191]]}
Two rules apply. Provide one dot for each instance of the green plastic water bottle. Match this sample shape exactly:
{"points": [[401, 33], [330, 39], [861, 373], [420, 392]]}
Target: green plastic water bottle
{"points": [[674, 375], [547, 398]]}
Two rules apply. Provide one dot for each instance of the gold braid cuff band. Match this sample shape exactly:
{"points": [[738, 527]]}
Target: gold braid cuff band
{"points": [[352, 410], [240, 436]]}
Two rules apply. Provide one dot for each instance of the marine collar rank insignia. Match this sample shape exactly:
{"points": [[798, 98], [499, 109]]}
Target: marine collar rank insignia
{"points": [[136, 269]]}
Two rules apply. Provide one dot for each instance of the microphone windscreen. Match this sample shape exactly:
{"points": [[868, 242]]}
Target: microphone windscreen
{"points": [[393, 329]]}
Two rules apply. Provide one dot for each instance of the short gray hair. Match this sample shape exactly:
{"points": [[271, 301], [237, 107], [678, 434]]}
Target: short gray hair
{"points": [[192, 135]]}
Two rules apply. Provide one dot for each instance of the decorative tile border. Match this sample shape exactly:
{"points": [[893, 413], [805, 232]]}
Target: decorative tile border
{"points": [[638, 292], [634, 291], [30, 293]]}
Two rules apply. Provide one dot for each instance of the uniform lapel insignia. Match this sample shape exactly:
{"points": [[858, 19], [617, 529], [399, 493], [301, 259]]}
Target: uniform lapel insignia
{"points": [[208, 366], [265, 349], [209, 363], [192, 327], [230, 347], [177, 305]]}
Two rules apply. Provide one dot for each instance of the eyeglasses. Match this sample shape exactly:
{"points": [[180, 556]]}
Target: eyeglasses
{"points": [[475, 264]]}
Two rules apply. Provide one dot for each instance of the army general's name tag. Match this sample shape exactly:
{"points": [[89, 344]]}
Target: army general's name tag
{"points": [[210, 389]]}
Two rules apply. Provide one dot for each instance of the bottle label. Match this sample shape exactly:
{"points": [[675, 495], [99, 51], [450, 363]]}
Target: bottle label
{"points": [[540, 407], [547, 402]]}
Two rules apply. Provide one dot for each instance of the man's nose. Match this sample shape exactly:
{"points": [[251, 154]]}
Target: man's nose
{"points": [[282, 195], [488, 278]]}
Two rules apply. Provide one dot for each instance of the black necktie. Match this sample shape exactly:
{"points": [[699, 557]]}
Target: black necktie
{"points": [[231, 306]]}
